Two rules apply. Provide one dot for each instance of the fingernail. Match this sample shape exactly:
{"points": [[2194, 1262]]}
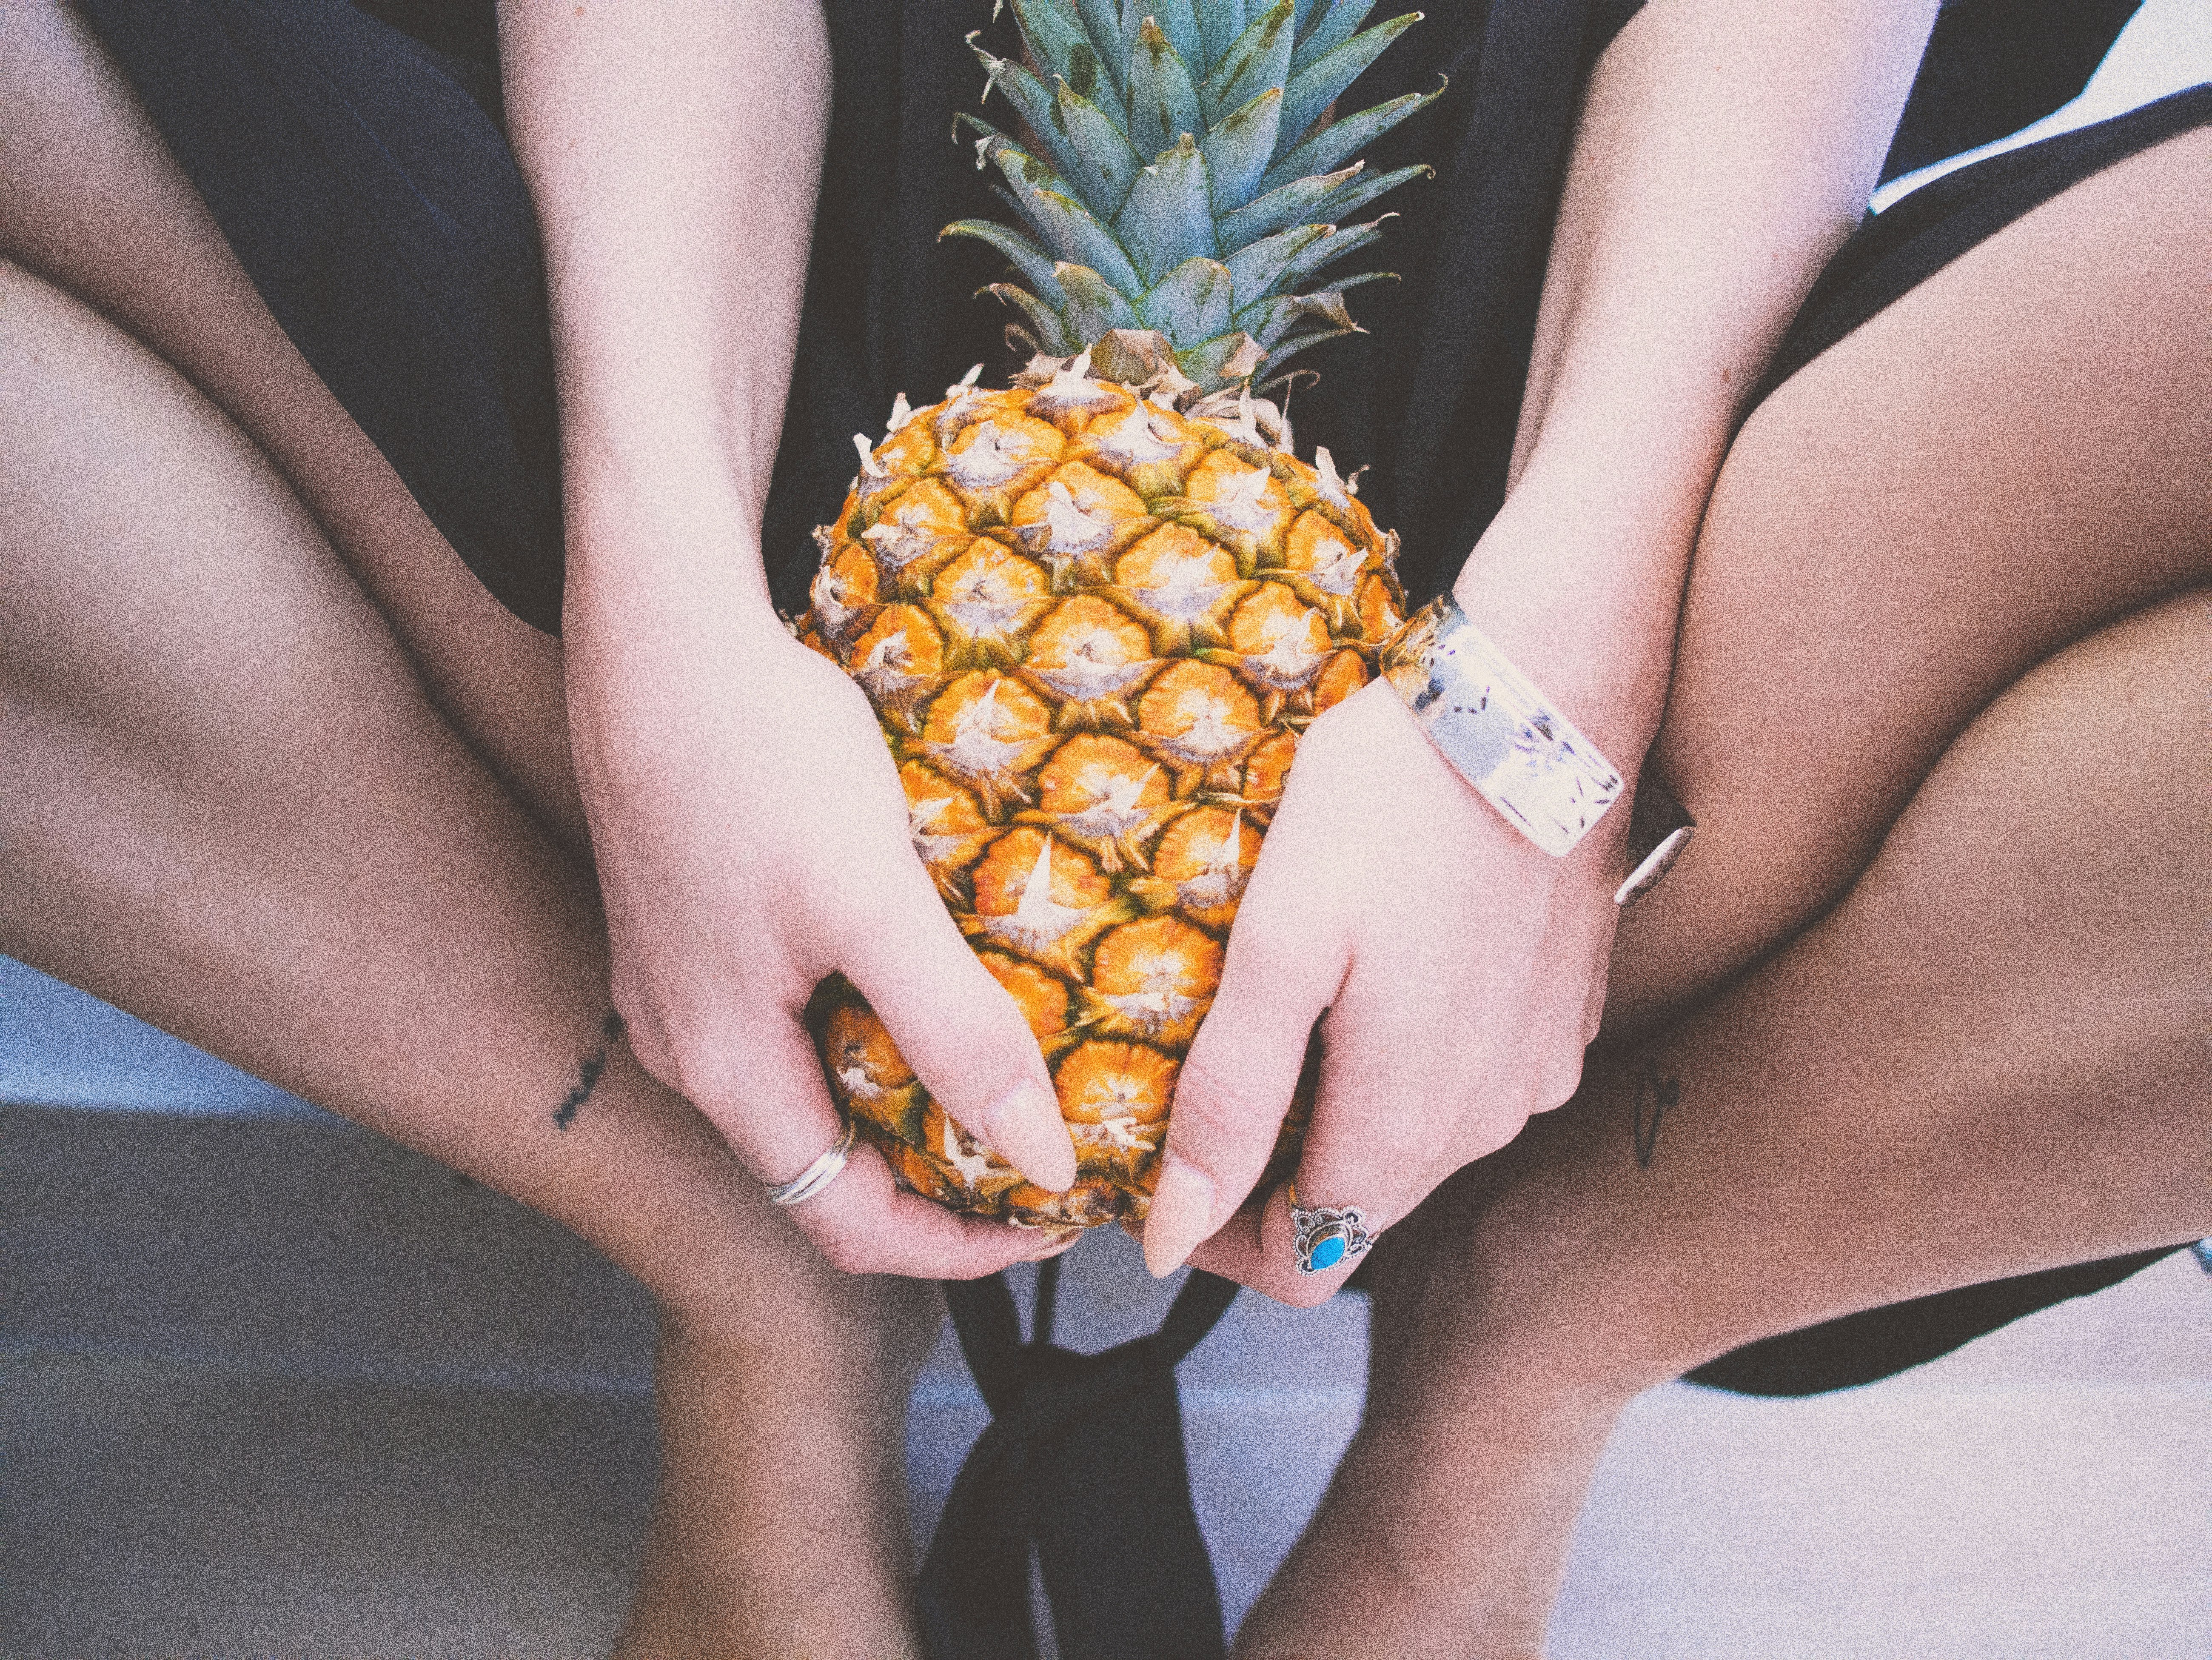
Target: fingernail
{"points": [[1182, 1206], [1024, 1126], [1056, 1241]]}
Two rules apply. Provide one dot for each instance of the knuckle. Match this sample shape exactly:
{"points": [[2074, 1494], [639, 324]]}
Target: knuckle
{"points": [[1557, 1081], [1210, 1112], [703, 1073], [1305, 1291], [1490, 1131], [848, 1253]]}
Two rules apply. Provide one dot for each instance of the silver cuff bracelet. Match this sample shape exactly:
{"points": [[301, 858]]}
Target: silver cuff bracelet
{"points": [[1521, 754]]}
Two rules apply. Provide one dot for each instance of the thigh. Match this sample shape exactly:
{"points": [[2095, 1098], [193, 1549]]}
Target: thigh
{"points": [[2009, 456], [92, 200], [213, 752], [228, 806]]}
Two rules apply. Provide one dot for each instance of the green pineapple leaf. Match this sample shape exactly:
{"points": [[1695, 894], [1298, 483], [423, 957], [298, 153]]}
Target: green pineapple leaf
{"points": [[1178, 20], [1032, 103], [1341, 204], [1035, 265], [1316, 89], [1260, 60], [1335, 144], [1260, 268], [1105, 165], [1094, 305], [1179, 178], [1288, 205], [1238, 148], [1326, 250], [1219, 23], [1194, 302], [1162, 101], [1332, 29], [1169, 216], [1070, 230], [1047, 324], [1060, 44]]}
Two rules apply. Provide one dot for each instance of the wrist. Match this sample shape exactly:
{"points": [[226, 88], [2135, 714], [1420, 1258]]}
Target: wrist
{"points": [[1549, 779], [662, 547], [1586, 608]]}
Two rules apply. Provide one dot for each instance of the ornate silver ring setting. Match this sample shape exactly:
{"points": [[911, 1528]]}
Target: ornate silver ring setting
{"points": [[1329, 1236]]}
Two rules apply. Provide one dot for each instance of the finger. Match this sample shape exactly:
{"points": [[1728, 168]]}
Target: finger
{"points": [[779, 1119], [1600, 968], [964, 1036], [864, 1223], [1389, 1105], [1258, 1248], [1234, 1250], [1236, 1083], [763, 1088]]}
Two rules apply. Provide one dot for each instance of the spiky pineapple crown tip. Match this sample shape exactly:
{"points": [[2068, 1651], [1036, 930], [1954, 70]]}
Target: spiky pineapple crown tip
{"points": [[1215, 248]]}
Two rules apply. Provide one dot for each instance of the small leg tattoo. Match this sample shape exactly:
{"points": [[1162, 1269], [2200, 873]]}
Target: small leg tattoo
{"points": [[587, 1080], [1654, 1096]]}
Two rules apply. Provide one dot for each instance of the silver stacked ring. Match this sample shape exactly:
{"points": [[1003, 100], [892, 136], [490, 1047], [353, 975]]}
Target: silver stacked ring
{"points": [[825, 1169]]}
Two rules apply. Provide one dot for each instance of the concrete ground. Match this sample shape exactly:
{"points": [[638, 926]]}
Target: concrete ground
{"points": [[276, 1387]]}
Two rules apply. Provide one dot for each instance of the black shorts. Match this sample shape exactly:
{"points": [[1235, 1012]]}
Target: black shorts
{"points": [[355, 155]]}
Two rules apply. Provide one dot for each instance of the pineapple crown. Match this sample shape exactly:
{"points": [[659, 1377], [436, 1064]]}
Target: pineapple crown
{"points": [[1210, 253]]}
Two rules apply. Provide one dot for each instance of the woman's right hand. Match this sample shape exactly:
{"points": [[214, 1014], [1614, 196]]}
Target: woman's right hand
{"points": [[752, 838], [749, 826]]}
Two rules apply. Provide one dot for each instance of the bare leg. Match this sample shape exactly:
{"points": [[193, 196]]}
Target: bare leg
{"points": [[2005, 458], [93, 201], [227, 803], [253, 806], [1987, 1058]]}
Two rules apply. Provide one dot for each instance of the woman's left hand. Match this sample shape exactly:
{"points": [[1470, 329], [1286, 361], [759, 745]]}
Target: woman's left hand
{"points": [[1461, 970]]}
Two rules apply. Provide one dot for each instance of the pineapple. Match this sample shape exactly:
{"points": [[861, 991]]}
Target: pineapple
{"points": [[1095, 610]]}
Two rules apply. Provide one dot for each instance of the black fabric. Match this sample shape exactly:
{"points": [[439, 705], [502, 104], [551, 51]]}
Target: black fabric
{"points": [[1876, 1343], [357, 164], [1896, 251], [1429, 397], [1083, 1457], [1993, 66], [376, 205]]}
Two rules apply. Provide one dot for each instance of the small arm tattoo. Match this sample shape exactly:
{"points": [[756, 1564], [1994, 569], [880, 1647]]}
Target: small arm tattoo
{"points": [[1654, 1096], [587, 1077]]}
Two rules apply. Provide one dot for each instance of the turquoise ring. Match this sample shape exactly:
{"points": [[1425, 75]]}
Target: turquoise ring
{"points": [[1327, 1235]]}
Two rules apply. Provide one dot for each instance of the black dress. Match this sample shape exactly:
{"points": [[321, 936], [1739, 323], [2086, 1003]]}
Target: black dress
{"points": [[355, 157]]}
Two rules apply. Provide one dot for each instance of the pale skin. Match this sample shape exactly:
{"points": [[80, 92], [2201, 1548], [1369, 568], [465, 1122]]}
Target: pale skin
{"points": [[213, 584], [1719, 163]]}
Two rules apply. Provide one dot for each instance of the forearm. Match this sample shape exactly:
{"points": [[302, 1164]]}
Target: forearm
{"points": [[673, 151], [1724, 152]]}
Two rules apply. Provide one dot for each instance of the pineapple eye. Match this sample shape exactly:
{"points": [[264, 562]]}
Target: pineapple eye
{"points": [[1195, 698], [1041, 998], [1347, 673]]}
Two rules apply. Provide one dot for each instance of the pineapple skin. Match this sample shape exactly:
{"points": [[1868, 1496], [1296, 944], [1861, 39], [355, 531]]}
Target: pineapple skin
{"points": [[1093, 628]]}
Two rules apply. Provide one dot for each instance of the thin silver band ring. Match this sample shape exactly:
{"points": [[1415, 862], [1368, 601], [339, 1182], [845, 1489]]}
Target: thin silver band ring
{"points": [[825, 1169]]}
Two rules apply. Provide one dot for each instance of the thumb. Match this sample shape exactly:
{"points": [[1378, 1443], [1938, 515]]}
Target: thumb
{"points": [[1235, 1088], [964, 1036]]}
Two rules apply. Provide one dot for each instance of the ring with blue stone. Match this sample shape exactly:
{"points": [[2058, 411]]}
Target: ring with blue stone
{"points": [[1329, 1236]]}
